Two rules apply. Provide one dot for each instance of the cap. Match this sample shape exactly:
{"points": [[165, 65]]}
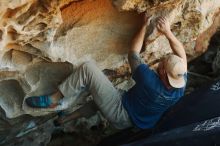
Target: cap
{"points": [[175, 69]]}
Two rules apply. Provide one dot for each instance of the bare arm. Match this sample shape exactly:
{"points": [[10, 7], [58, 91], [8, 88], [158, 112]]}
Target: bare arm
{"points": [[136, 45], [164, 27], [138, 39]]}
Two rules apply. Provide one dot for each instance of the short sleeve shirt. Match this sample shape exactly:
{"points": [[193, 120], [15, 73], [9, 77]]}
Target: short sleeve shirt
{"points": [[148, 99]]}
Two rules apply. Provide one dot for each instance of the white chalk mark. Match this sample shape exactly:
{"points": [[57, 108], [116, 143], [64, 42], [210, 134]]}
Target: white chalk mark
{"points": [[208, 125]]}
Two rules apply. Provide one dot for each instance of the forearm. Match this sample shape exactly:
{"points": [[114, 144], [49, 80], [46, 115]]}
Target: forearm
{"points": [[138, 40], [176, 46]]}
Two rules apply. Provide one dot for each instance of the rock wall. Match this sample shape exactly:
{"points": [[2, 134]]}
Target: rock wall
{"points": [[37, 37], [189, 18], [41, 39]]}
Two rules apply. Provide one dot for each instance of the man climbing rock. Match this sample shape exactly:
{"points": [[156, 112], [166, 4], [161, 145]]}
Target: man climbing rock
{"points": [[145, 102]]}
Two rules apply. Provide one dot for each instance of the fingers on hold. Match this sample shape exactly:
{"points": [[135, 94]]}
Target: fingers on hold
{"points": [[158, 26], [149, 18], [157, 20], [164, 19], [161, 22], [161, 19]]}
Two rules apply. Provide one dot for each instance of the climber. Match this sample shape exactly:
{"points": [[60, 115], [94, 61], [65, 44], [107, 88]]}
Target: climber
{"points": [[143, 104]]}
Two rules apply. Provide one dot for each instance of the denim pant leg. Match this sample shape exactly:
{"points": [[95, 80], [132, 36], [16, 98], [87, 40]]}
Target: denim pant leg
{"points": [[88, 77]]}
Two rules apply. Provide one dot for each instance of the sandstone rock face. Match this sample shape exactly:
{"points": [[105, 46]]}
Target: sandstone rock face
{"points": [[37, 37], [188, 18], [41, 39]]}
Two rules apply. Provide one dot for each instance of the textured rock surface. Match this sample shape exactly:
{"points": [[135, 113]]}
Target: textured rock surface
{"points": [[38, 36], [34, 33], [189, 18]]}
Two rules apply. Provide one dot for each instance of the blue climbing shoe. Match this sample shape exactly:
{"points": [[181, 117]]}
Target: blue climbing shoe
{"points": [[39, 101]]}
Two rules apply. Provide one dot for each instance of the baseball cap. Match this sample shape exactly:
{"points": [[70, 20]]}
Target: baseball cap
{"points": [[175, 69]]}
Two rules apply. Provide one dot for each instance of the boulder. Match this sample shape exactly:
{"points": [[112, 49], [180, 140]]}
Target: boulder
{"points": [[39, 40]]}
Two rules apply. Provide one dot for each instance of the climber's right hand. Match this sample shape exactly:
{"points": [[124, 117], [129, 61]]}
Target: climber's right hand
{"points": [[163, 25]]}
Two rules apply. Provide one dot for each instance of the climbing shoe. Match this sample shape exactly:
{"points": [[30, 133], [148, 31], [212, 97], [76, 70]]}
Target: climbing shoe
{"points": [[39, 101]]}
